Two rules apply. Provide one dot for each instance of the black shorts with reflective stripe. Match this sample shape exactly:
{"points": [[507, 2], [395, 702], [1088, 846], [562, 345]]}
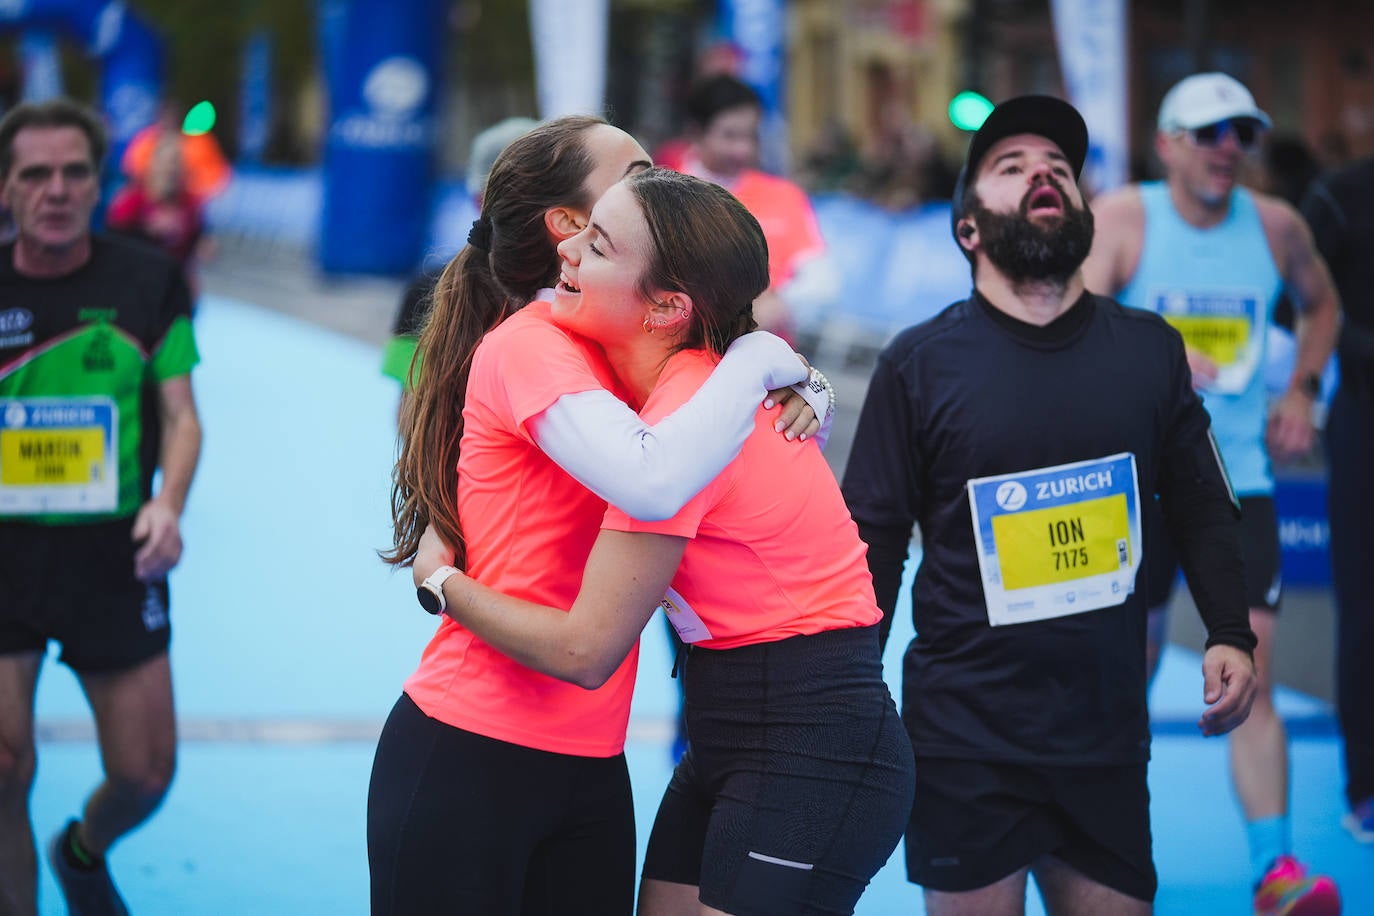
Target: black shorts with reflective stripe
{"points": [[797, 781]]}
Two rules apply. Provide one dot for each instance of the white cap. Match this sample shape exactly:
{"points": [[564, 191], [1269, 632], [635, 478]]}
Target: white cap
{"points": [[1207, 98]]}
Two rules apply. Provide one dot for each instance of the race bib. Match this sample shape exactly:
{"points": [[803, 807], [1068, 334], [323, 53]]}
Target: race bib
{"points": [[1223, 325], [58, 455], [1057, 541], [686, 623]]}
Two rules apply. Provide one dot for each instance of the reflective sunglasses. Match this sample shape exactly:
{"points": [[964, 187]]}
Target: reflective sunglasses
{"points": [[1211, 135]]}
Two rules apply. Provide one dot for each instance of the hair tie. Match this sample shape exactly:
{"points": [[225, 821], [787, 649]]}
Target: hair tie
{"points": [[479, 236]]}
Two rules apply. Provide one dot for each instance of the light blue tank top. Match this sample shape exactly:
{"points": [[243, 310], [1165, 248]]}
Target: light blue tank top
{"points": [[1218, 286]]}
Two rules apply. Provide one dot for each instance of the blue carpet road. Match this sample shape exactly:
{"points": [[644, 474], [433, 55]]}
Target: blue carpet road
{"points": [[291, 640]]}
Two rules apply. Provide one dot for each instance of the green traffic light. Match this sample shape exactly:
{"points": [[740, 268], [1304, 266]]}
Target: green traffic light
{"points": [[968, 110], [200, 119]]}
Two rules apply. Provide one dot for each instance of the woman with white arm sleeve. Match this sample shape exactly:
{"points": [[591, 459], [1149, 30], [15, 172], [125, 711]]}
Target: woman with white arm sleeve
{"points": [[798, 778], [497, 789]]}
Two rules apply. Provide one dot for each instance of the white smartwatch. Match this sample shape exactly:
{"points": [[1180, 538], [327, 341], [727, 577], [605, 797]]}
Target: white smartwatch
{"points": [[431, 591]]}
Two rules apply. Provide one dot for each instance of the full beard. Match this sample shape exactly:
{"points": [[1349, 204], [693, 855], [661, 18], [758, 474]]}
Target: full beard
{"points": [[1044, 250]]}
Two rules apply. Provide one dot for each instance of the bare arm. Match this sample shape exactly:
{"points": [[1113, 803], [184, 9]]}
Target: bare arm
{"points": [[1119, 220], [1291, 427], [158, 524], [626, 577]]}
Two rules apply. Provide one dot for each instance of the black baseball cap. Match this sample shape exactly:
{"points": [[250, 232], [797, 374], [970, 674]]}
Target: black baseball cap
{"points": [[1042, 115]]}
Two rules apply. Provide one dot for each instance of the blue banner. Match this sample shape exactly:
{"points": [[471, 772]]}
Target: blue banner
{"points": [[1304, 533], [255, 97], [132, 79], [383, 101], [131, 84], [759, 29]]}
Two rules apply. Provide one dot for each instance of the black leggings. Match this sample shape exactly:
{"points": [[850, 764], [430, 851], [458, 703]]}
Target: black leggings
{"points": [[461, 823]]}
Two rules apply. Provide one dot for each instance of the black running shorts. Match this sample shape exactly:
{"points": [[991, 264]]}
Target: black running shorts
{"points": [[974, 823], [76, 584]]}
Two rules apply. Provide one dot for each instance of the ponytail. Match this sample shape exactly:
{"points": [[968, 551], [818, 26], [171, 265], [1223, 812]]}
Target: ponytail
{"points": [[467, 303], [547, 167]]}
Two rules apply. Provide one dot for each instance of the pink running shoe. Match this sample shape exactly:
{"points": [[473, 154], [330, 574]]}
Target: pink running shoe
{"points": [[1288, 890]]}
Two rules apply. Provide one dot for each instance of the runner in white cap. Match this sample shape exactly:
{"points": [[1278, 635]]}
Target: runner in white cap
{"points": [[1213, 259]]}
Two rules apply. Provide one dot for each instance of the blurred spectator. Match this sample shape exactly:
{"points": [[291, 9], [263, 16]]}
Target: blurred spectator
{"points": [[723, 120], [207, 171], [719, 57], [486, 146], [159, 207]]}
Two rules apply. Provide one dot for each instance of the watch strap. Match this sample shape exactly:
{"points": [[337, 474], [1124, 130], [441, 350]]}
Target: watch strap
{"points": [[434, 585]]}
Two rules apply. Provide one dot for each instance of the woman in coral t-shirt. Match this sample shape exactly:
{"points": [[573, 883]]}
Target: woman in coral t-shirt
{"points": [[798, 778], [498, 789]]}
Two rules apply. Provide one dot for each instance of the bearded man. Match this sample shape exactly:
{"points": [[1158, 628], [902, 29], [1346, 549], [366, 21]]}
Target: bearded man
{"points": [[1023, 429]]}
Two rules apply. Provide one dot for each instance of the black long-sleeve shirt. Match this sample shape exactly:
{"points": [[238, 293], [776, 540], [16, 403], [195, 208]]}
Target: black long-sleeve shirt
{"points": [[1340, 209], [974, 393]]}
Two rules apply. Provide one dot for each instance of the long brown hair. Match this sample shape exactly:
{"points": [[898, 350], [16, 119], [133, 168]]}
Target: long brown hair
{"points": [[546, 168]]}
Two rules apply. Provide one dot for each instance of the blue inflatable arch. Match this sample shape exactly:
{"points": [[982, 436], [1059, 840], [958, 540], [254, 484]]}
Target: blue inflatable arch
{"points": [[130, 54], [382, 66]]}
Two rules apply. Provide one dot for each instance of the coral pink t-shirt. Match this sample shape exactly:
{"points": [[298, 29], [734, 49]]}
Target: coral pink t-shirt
{"points": [[773, 550], [787, 219], [529, 529]]}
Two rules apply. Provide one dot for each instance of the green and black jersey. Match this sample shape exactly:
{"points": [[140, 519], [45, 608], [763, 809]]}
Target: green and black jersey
{"points": [[81, 357]]}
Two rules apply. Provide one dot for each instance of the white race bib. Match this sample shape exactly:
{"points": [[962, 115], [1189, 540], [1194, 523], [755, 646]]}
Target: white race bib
{"points": [[685, 621], [58, 455], [1057, 541]]}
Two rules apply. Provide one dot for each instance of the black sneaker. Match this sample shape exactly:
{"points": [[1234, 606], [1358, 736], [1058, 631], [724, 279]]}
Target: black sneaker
{"points": [[88, 893]]}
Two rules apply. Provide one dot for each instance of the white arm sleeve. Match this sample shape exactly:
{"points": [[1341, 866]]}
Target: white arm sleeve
{"points": [[650, 472]]}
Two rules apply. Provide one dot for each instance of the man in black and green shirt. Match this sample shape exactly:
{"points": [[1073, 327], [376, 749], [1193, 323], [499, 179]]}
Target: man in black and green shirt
{"points": [[96, 351]]}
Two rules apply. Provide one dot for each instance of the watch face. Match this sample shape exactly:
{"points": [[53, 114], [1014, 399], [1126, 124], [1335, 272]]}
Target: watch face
{"points": [[428, 600]]}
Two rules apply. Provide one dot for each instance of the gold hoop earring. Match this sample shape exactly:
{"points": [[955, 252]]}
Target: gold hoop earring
{"points": [[648, 328]]}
